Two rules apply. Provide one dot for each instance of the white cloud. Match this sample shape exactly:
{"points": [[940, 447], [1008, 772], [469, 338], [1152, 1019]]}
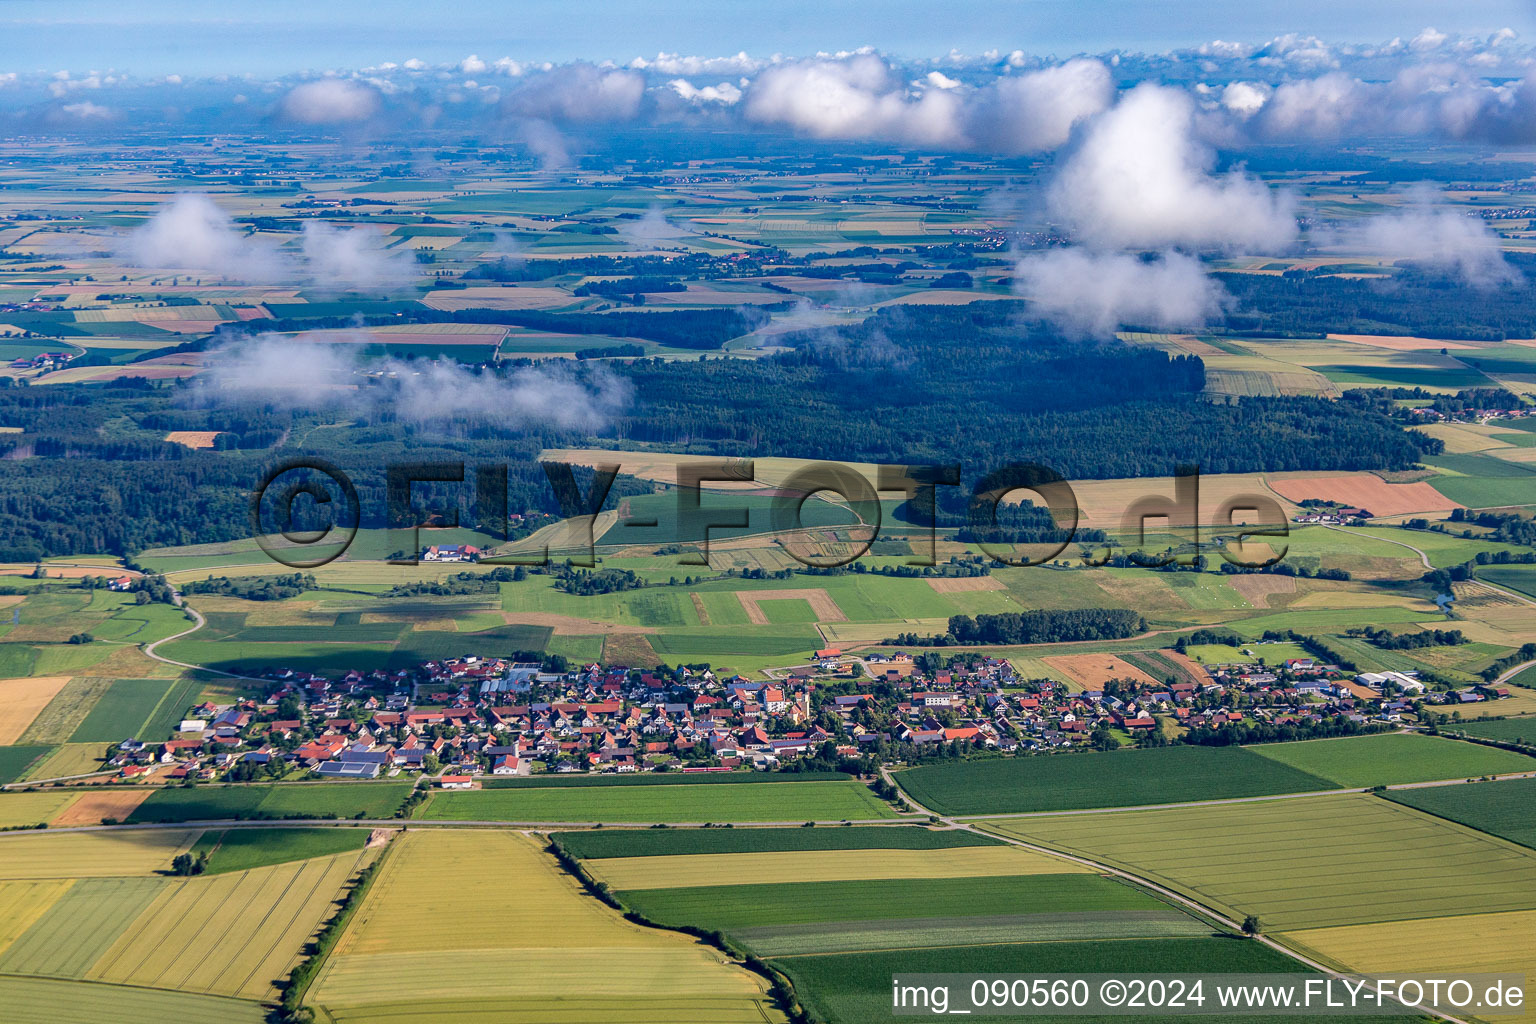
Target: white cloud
{"points": [[862, 97], [341, 259], [724, 94], [192, 233], [1141, 180], [1244, 98], [1429, 39], [329, 372], [1437, 100], [472, 65], [651, 229], [1036, 111], [87, 111], [1096, 293], [857, 97], [330, 101], [578, 94], [673, 64], [1432, 235], [1322, 107]]}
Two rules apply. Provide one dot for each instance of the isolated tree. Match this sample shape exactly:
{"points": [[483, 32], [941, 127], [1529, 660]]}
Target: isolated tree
{"points": [[1251, 925]]}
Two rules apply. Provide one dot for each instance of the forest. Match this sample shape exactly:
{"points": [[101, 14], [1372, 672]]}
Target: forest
{"points": [[942, 385], [1414, 301], [980, 387], [1042, 626]]}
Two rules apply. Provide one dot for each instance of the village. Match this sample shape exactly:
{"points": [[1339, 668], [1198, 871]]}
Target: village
{"points": [[461, 719]]}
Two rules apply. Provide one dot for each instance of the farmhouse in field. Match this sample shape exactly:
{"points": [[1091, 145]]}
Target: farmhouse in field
{"points": [[451, 553]]}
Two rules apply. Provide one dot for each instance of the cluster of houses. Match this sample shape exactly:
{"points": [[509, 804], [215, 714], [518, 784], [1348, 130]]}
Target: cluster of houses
{"points": [[42, 361], [451, 553], [471, 717], [1427, 414], [1344, 514]]}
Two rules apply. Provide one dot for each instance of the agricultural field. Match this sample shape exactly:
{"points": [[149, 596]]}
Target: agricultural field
{"points": [[91, 855], [242, 849], [15, 761], [1124, 778], [22, 700], [1506, 808], [1494, 943], [1303, 863], [597, 845], [802, 908], [1521, 578], [236, 933], [790, 801], [282, 800], [594, 967], [855, 988], [51, 1001], [1391, 758], [786, 918], [1517, 730], [691, 870], [33, 808]]}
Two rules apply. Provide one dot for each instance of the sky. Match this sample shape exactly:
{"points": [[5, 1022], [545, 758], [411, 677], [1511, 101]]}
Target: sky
{"points": [[275, 37]]}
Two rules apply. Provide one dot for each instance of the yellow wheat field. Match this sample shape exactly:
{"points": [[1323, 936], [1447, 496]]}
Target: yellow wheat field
{"points": [[490, 918], [689, 870], [32, 808], [234, 935], [22, 903], [21, 700], [1433, 947], [91, 855]]}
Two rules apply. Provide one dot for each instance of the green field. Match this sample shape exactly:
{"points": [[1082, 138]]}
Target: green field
{"points": [[1513, 577], [787, 611], [1521, 730], [733, 643], [329, 657], [239, 849], [672, 842], [1506, 808], [795, 917], [1127, 778], [804, 801], [172, 709], [855, 988], [284, 800], [1386, 759], [121, 712], [659, 779], [1480, 481], [1303, 863], [14, 761]]}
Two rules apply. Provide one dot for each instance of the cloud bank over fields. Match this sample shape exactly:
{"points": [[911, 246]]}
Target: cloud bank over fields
{"points": [[330, 373], [1290, 88], [1140, 156], [192, 235], [1095, 293]]}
